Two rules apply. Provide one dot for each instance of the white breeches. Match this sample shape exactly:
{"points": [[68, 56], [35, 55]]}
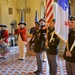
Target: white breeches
{"points": [[22, 48]]}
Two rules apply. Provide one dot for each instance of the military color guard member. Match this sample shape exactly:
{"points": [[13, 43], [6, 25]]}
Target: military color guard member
{"points": [[52, 51], [69, 54], [43, 23], [4, 35], [39, 42]]}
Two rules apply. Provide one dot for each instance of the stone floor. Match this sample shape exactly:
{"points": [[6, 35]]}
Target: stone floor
{"points": [[12, 66]]}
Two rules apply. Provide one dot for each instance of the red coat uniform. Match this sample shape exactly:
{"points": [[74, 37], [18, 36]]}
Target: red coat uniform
{"points": [[22, 32], [4, 35]]}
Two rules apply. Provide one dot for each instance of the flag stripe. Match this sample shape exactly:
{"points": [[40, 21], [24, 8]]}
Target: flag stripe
{"points": [[49, 10], [50, 18], [48, 3]]}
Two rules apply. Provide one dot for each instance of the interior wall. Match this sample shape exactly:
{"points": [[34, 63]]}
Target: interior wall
{"points": [[0, 13], [73, 8], [21, 5], [6, 15], [29, 14], [30, 17], [42, 9]]}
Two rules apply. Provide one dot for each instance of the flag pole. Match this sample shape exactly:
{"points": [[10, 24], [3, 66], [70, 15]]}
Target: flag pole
{"points": [[49, 16], [66, 42], [67, 46], [61, 38], [47, 34]]}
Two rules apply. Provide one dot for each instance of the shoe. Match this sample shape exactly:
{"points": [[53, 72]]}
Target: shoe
{"points": [[43, 61], [36, 71], [39, 73], [4, 57], [20, 59], [1, 57]]}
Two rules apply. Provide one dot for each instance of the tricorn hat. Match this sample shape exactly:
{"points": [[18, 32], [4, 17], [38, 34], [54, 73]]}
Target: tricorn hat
{"points": [[2, 25], [22, 23]]}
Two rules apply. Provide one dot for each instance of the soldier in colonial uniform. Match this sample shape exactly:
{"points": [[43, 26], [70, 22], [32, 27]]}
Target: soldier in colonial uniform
{"points": [[52, 48], [39, 42], [4, 35], [21, 32], [69, 54]]}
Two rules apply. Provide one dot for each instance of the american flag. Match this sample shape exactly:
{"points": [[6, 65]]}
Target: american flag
{"points": [[49, 10]]}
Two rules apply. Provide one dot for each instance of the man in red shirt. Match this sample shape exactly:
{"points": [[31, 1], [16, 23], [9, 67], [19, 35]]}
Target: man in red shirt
{"points": [[21, 32], [4, 35]]}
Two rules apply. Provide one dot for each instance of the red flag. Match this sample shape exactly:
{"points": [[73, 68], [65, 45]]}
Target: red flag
{"points": [[49, 10]]}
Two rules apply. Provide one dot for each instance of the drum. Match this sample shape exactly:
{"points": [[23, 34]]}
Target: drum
{"points": [[3, 48]]}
